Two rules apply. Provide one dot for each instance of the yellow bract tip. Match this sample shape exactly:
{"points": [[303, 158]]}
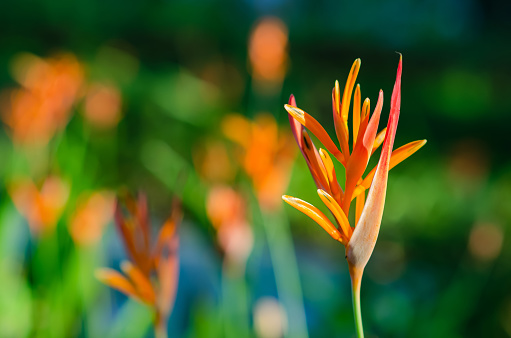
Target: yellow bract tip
{"points": [[314, 213], [348, 89], [337, 211], [315, 127], [398, 156]]}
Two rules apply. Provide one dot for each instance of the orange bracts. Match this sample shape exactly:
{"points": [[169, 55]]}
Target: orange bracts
{"points": [[152, 274], [360, 238]]}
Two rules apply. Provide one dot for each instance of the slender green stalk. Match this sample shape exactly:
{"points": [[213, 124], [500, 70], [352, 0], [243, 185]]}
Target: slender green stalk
{"points": [[160, 327], [356, 281]]}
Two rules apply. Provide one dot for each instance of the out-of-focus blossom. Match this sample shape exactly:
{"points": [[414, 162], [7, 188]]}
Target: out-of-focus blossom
{"points": [[468, 166], [267, 154], [226, 209], [151, 275], [360, 239], [103, 105], [268, 51], [42, 106], [213, 163], [92, 214], [270, 319], [485, 241], [41, 207]]}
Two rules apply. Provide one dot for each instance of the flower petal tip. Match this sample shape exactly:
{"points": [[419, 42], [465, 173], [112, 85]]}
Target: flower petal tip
{"points": [[292, 100], [421, 144]]}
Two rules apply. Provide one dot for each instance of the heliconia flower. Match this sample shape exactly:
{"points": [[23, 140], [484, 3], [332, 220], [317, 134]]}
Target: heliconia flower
{"points": [[359, 238], [151, 275]]}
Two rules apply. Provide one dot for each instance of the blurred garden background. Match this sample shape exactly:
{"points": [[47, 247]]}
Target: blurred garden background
{"points": [[182, 102]]}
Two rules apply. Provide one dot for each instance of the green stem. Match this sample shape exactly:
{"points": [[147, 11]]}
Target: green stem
{"points": [[160, 326], [356, 281]]}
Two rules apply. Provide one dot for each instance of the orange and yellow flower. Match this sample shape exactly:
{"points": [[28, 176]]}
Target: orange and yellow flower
{"points": [[366, 141], [152, 273], [360, 237]]}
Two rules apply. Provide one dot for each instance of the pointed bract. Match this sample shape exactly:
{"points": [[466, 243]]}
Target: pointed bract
{"points": [[314, 213], [360, 157], [140, 281], [116, 281], [398, 156], [313, 125], [361, 244], [336, 210]]}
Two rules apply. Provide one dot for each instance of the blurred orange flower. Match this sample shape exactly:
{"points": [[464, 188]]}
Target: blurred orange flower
{"points": [[226, 209], [268, 50], [103, 105], [225, 206], [41, 207], [35, 112], [360, 239], [152, 273], [485, 241], [267, 154], [92, 214]]}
